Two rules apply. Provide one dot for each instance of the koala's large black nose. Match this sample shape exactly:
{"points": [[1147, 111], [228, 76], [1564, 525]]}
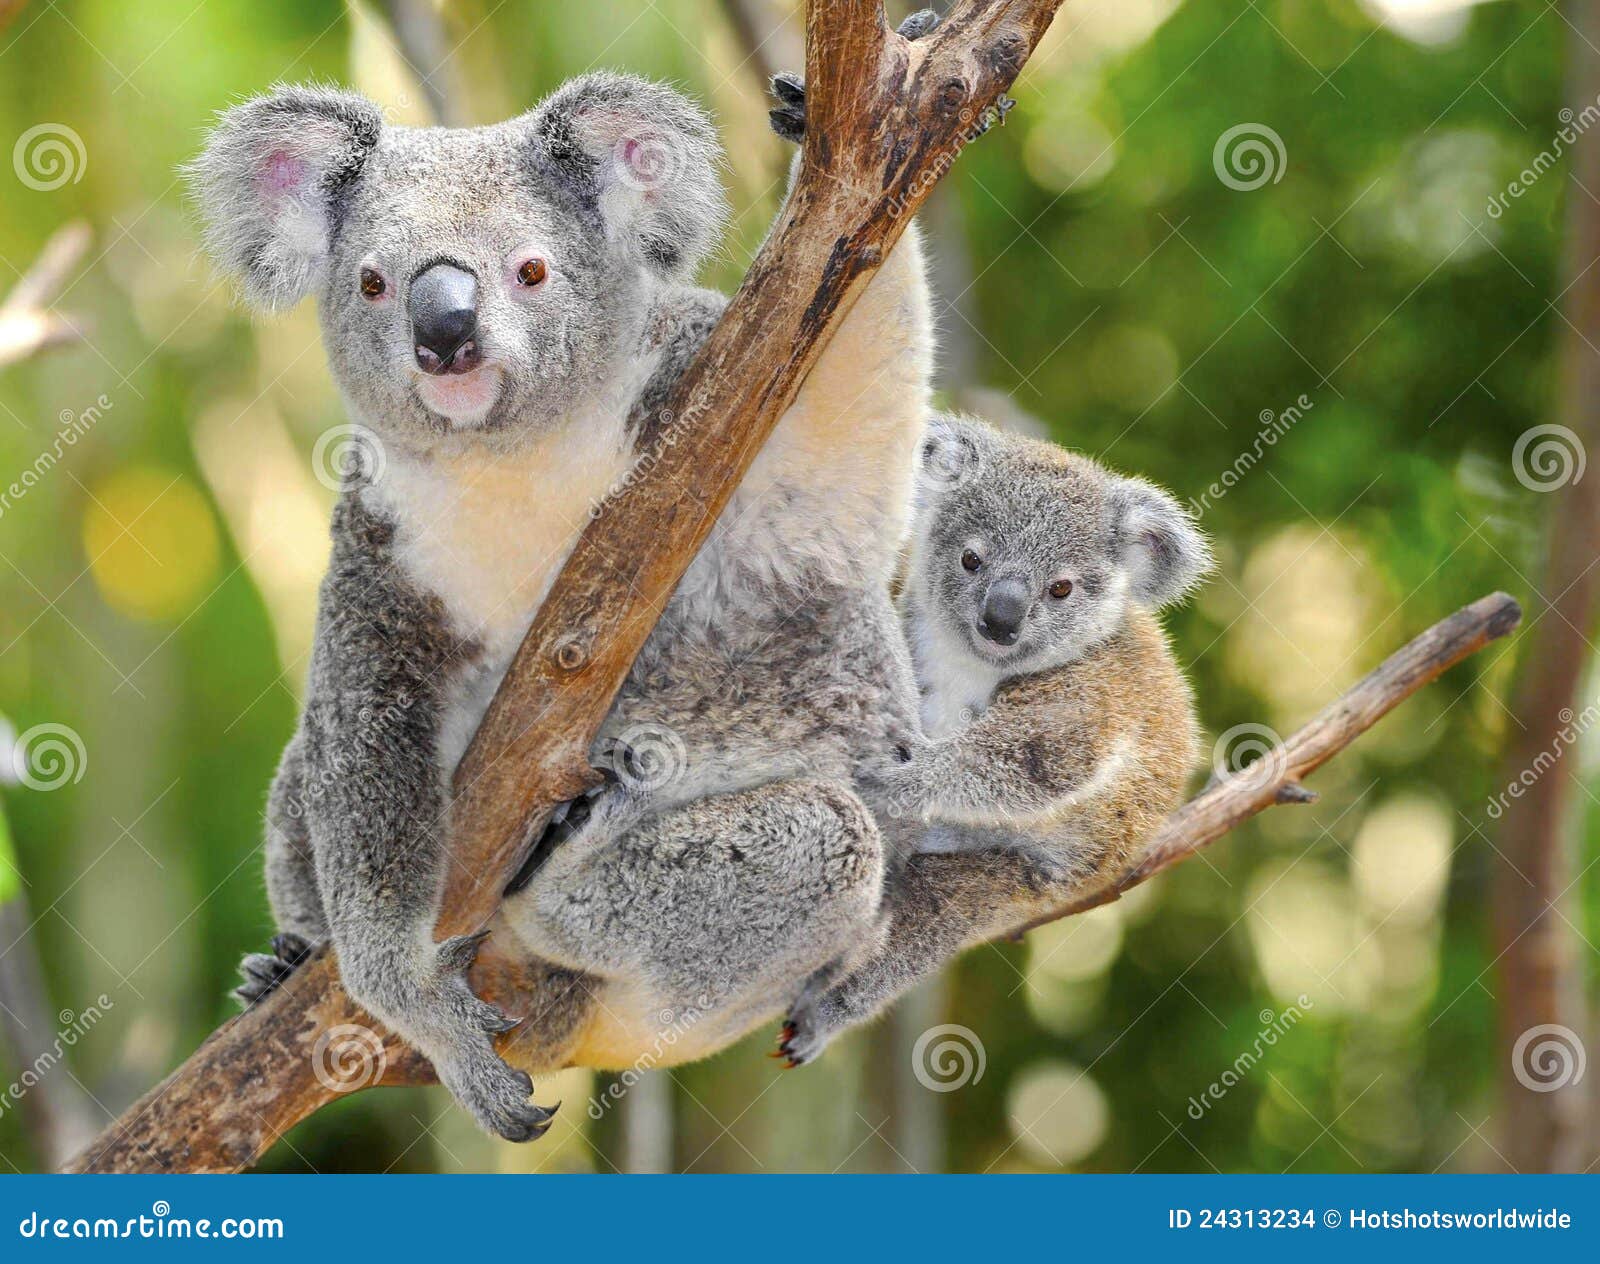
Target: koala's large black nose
{"points": [[444, 318], [1005, 606]]}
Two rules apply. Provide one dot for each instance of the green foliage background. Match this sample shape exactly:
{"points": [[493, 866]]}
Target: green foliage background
{"points": [[1096, 274]]}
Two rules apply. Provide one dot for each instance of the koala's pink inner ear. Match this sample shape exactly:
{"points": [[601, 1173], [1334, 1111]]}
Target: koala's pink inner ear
{"points": [[282, 175]]}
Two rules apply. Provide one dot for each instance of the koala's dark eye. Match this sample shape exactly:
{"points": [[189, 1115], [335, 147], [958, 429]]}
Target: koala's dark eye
{"points": [[1062, 588], [531, 272], [372, 284], [970, 560]]}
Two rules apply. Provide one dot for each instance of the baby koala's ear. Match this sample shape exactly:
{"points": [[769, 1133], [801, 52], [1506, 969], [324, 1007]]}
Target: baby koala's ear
{"points": [[1165, 552], [268, 180], [648, 157], [952, 452]]}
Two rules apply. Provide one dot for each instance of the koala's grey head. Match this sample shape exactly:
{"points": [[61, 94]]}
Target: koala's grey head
{"points": [[1025, 555], [469, 279]]}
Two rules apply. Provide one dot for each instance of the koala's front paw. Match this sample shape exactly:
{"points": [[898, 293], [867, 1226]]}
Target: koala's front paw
{"points": [[455, 1028], [264, 972], [789, 90]]}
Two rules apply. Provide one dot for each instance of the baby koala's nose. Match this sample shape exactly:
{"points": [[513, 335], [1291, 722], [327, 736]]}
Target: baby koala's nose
{"points": [[444, 317], [1005, 606]]}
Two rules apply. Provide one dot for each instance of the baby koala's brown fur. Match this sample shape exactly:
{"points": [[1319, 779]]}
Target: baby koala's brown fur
{"points": [[1061, 729]]}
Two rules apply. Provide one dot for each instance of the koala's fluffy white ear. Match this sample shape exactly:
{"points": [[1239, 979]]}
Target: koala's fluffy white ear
{"points": [[268, 180], [952, 451], [649, 158], [1165, 552]]}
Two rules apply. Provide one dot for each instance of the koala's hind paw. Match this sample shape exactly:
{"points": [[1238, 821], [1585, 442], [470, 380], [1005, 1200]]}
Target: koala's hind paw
{"points": [[462, 1027], [498, 1096], [264, 973]]}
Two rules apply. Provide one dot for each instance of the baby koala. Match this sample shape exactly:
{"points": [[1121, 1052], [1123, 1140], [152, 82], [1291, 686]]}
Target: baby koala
{"points": [[1061, 731]]}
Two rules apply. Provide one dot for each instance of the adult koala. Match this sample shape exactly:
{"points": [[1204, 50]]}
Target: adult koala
{"points": [[504, 309]]}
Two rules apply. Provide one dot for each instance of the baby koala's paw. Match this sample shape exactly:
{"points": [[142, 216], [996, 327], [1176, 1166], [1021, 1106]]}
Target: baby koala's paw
{"points": [[813, 1021]]}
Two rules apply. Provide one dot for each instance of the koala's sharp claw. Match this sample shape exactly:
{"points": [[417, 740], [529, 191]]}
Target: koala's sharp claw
{"points": [[507, 1023]]}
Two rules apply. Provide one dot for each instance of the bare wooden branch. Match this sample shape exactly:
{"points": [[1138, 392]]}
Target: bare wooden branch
{"points": [[1276, 777], [26, 323]]}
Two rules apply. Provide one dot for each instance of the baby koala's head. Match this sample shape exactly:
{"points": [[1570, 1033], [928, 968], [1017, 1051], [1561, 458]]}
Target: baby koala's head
{"points": [[1025, 556]]}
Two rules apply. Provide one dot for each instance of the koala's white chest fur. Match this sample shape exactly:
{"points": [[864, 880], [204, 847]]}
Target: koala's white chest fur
{"points": [[488, 532], [956, 687]]}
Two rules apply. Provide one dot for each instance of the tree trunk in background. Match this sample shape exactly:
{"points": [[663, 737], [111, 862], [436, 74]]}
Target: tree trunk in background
{"points": [[1543, 1021], [647, 1125]]}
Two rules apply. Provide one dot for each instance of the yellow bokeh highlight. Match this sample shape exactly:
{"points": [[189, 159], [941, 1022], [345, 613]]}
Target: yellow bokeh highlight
{"points": [[151, 542]]}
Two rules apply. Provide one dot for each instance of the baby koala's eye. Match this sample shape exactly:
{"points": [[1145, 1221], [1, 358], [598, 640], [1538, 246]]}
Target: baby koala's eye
{"points": [[372, 283], [1061, 589], [531, 272], [970, 560]]}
